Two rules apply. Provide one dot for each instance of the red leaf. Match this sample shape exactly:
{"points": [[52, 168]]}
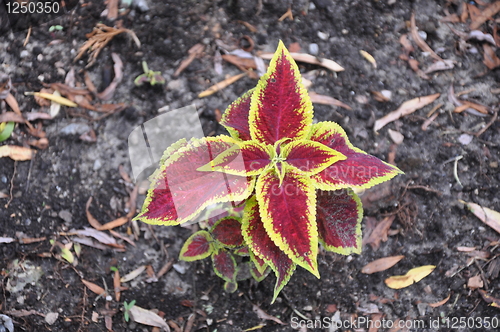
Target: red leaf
{"points": [[179, 191], [258, 275], [262, 246], [280, 106], [228, 232], [288, 213], [224, 265], [339, 215], [235, 118], [197, 246], [310, 157], [359, 170], [249, 158]]}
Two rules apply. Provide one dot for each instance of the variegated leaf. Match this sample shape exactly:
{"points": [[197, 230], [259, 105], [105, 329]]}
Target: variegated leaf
{"points": [[339, 215], [235, 118], [280, 106], [310, 157], [288, 213], [228, 232], [179, 191], [197, 246], [359, 170], [224, 265], [263, 247]]}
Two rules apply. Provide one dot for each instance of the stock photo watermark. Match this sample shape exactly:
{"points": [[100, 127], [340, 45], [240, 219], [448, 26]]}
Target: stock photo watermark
{"points": [[19, 15]]}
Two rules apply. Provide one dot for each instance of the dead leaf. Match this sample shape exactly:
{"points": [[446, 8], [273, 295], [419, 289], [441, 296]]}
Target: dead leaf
{"points": [[419, 41], [479, 35], [406, 108], [263, 315], [99, 236], [411, 277], [94, 288], [379, 233], [11, 117], [55, 107], [92, 221], [242, 63], [493, 301], [369, 58], [108, 93], [100, 36], [147, 317], [381, 264], [52, 97], [440, 65], [440, 303], [288, 15], [405, 42], [221, 85], [12, 102], [112, 9], [89, 136], [308, 58], [488, 216], [193, 53], [475, 282], [327, 100], [31, 116], [117, 285], [490, 58], [88, 82], [15, 152], [480, 17], [115, 223], [41, 143], [134, 274], [248, 26]]}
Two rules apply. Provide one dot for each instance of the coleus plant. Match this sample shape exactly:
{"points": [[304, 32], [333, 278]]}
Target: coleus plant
{"points": [[294, 180]]}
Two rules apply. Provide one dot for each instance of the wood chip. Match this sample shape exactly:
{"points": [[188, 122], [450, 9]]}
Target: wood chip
{"points": [[406, 108], [381, 264], [475, 282]]}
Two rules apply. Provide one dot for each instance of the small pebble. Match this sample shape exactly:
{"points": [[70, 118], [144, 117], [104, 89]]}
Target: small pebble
{"points": [[24, 54], [313, 49], [323, 35], [75, 129], [142, 5]]}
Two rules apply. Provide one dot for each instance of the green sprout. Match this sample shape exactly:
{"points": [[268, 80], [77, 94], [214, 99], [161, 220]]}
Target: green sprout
{"points": [[55, 28], [153, 77], [6, 128], [127, 307]]}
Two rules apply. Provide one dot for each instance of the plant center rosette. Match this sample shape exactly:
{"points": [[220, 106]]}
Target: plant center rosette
{"points": [[293, 178]]}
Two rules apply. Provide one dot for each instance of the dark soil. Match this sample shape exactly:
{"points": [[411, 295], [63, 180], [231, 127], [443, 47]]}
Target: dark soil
{"points": [[47, 196]]}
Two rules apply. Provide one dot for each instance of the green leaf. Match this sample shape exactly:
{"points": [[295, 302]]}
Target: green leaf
{"points": [[6, 129]]}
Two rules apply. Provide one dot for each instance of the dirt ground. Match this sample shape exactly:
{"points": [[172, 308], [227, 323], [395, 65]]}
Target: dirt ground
{"points": [[45, 198]]}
